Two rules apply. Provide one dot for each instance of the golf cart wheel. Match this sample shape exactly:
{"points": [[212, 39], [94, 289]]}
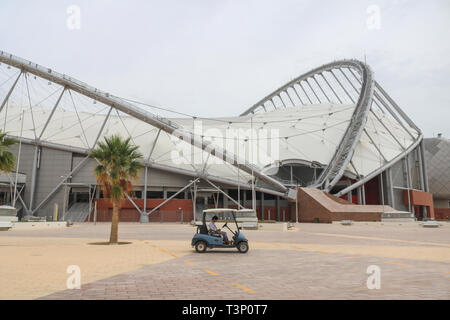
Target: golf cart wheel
{"points": [[200, 246], [243, 247]]}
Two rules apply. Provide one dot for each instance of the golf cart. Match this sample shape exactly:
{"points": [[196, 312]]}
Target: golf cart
{"points": [[204, 238]]}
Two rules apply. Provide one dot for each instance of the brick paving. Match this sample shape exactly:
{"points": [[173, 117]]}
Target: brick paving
{"points": [[270, 274], [319, 261]]}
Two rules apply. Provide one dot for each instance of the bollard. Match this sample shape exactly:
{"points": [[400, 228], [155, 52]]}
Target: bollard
{"points": [[95, 213], [55, 213], [181, 216]]}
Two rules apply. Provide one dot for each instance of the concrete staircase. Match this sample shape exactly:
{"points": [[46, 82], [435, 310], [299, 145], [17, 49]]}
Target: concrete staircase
{"points": [[77, 212], [318, 206], [397, 216]]}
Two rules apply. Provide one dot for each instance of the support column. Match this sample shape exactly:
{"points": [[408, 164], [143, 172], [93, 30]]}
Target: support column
{"points": [[261, 207], [418, 163], [225, 199], [359, 195], [363, 192], [144, 217], [194, 200], [408, 181], [424, 167], [381, 188], [292, 176], [245, 199], [65, 201], [349, 194], [277, 201], [390, 188], [34, 177], [423, 175]]}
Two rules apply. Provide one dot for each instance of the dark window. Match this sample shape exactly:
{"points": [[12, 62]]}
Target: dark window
{"points": [[136, 194], [82, 197], [268, 196], [155, 195], [178, 196], [233, 193], [336, 189]]}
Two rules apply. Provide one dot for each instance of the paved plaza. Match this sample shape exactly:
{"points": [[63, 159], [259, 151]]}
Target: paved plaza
{"points": [[314, 261]]}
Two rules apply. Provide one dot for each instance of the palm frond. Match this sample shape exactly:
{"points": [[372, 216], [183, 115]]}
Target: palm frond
{"points": [[7, 159], [120, 162]]}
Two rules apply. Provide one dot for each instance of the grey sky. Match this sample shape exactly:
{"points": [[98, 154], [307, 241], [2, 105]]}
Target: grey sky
{"points": [[216, 57]]}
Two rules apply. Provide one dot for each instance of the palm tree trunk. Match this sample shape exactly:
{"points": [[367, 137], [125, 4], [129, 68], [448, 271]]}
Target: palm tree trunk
{"points": [[113, 238]]}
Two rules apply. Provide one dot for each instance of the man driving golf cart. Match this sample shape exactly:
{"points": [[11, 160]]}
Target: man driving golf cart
{"points": [[211, 237], [213, 229]]}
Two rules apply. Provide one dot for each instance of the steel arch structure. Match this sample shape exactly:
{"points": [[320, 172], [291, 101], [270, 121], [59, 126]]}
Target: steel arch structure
{"points": [[373, 126], [26, 67], [356, 76]]}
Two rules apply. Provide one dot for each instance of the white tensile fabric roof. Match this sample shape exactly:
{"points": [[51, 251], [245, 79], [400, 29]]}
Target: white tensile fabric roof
{"points": [[308, 133]]}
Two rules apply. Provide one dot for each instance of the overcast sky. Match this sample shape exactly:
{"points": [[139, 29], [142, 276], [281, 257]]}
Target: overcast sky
{"points": [[217, 57]]}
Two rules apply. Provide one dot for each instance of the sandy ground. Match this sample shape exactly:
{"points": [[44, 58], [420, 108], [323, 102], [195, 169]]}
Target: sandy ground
{"points": [[34, 267], [34, 263]]}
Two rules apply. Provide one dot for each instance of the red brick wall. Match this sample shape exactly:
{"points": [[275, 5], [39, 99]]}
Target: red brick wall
{"points": [[420, 198], [169, 212], [345, 197], [442, 213], [310, 209]]}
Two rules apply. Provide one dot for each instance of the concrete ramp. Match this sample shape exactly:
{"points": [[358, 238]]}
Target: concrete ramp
{"points": [[318, 206], [78, 212]]}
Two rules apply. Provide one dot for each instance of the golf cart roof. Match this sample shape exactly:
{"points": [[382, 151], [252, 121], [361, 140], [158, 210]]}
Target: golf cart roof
{"points": [[245, 210], [219, 210]]}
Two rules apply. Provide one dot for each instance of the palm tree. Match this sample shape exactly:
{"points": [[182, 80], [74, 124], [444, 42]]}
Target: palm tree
{"points": [[119, 163], [7, 159]]}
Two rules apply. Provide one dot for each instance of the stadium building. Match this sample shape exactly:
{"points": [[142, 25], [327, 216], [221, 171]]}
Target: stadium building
{"points": [[329, 145], [437, 156]]}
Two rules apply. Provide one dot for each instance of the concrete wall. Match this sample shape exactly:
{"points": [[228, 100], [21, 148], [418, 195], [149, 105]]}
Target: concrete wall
{"points": [[54, 164], [441, 203], [86, 173]]}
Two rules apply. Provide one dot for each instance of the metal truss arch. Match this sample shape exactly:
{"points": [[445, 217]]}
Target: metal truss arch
{"points": [[169, 126], [341, 82]]}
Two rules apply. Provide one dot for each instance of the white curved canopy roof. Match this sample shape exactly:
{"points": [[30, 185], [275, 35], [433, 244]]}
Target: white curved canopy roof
{"points": [[335, 115], [309, 133]]}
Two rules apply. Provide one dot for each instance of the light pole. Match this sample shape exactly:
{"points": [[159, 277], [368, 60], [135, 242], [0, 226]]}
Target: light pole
{"points": [[296, 204], [65, 197]]}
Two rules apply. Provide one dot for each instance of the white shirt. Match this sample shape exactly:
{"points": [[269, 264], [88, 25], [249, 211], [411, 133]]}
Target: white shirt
{"points": [[212, 226]]}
